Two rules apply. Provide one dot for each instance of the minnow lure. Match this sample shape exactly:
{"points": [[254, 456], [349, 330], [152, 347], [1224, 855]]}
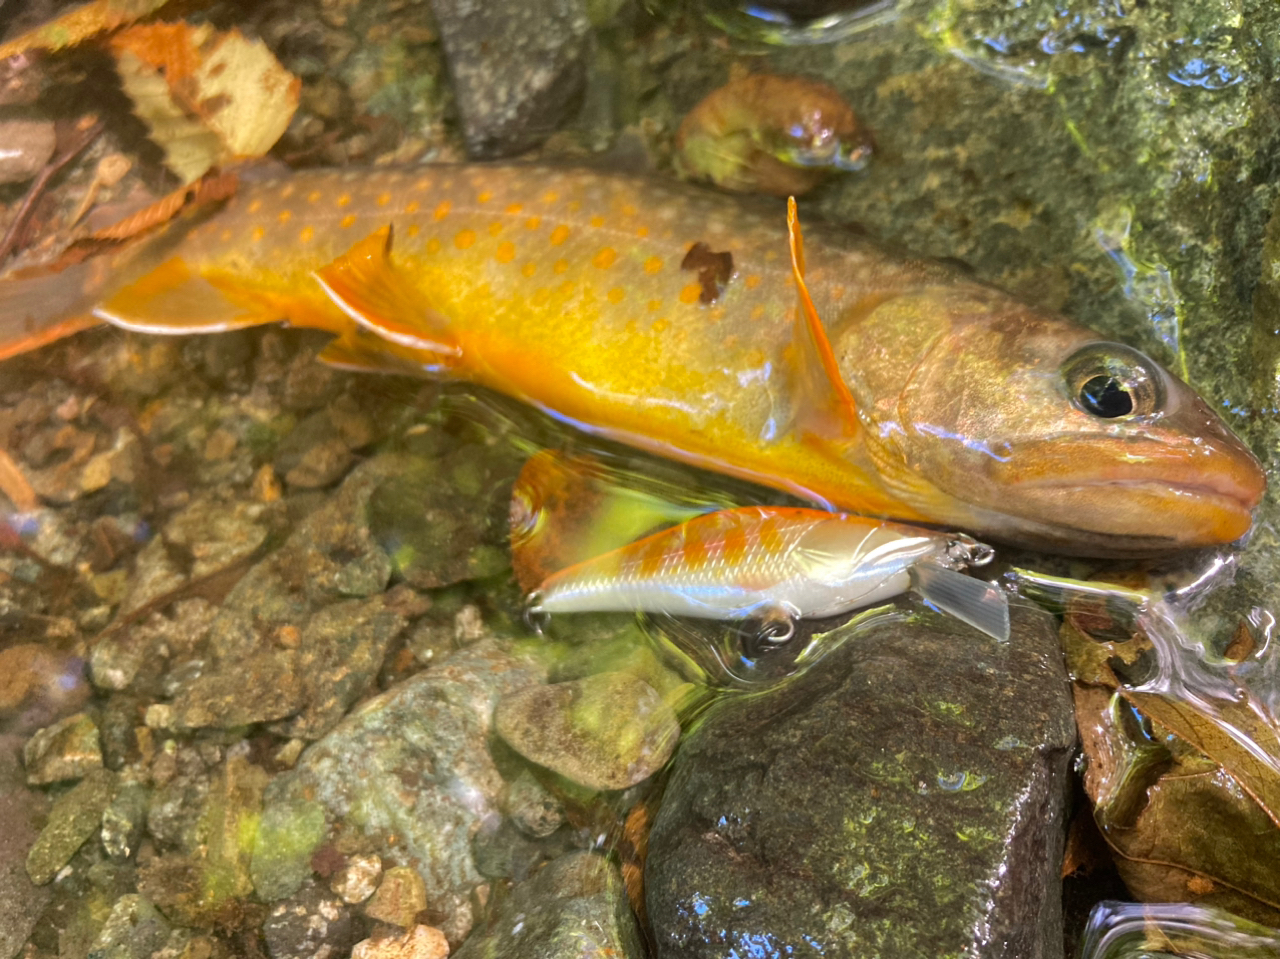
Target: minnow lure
{"points": [[780, 564], [668, 318]]}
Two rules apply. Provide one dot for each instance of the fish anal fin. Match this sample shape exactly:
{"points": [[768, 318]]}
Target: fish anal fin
{"points": [[824, 404], [173, 298], [366, 285]]}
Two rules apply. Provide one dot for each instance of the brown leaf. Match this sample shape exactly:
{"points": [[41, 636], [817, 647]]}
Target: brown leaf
{"points": [[79, 24]]}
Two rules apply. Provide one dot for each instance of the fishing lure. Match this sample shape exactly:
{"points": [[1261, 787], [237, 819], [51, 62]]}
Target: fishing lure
{"points": [[779, 564]]}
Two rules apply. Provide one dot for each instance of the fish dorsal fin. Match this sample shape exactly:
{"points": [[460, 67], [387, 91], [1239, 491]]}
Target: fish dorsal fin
{"points": [[568, 508], [824, 404], [366, 285]]}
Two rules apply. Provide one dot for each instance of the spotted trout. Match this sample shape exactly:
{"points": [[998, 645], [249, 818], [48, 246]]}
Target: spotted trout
{"points": [[697, 327]]}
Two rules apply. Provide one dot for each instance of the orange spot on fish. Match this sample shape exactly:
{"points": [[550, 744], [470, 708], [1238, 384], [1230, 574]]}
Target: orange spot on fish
{"points": [[559, 266], [442, 210], [384, 199], [533, 223], [514, 208], [422, 184], [495, 228], [752, 281], [653, 264], [642, 231], [566, 288], [287, 191], [660, 324], [464, 239], [559, 235], [313, 196], [691, 293], [347, 220], [575, 206], [617, 294], [550, 196], [540, 297], [285, 216], [506, 252], [411, 206], [629, 210], [255, 206], [597, 221], [413, 230], [307, 234], [344, 199], [258, 233], [433, 246], [757, 311], [605, 258], [735, 545], [528, 269], [655, 306], [484, 196]]}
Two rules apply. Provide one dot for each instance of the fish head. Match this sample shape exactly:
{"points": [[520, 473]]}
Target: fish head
{"points": [[1057, 438]]}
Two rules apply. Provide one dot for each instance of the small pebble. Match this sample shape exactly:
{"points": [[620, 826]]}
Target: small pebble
{"points": [[400, 897], [357, 881], [68, 749], [420, 942], [25, 147]]}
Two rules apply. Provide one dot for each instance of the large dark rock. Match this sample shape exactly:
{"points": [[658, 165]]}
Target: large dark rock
{"points": [[518, 68], [904, 798]]}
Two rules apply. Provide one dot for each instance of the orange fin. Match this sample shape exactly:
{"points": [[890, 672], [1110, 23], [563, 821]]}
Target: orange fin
{"points": [[824, 402], [360, 351], [369, 289], [173, 299], [567, 508]]}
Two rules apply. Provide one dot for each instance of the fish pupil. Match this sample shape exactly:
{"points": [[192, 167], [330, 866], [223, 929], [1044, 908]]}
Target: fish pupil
{"points": [[1106, 396]]}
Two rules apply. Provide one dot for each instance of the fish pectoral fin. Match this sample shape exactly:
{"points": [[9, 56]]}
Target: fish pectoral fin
{"points": [[366, 285], [173, 298], [824, 404], [983, 605]]}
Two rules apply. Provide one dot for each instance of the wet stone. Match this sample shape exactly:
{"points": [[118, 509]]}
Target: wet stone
{"points": [[216, 532], [607, 731], [134, 930], [501, 851], [156, 641], [412, 763], [124, 820], [532, 807], [74, 818], [69, 749], [358, 879], [28, 146], [21, 901], [906, 798], [420, 942], [400, 897], [39, 685], [575, 899], [517, 70], [313, 924]]}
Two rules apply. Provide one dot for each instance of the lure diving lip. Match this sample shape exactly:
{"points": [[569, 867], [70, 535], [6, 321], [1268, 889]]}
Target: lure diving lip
{"points": [[780, 564]]}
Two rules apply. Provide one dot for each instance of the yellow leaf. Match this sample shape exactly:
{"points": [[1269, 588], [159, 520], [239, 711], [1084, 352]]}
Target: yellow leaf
{"points": [[79, 24]]}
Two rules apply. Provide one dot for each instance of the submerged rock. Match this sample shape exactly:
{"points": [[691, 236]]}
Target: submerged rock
{"points": [[74, 818], [21, 900], [313, 924], [410, 768], [400, 897], [574, 906], [69, 749], [607, 731], [134, 930], [905, 799], [518, 69]]}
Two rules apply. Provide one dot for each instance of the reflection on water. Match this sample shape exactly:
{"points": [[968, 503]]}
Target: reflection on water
{"points": [[1124, 930]]}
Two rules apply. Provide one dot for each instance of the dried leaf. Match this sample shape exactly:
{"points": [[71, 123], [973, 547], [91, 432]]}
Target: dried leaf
{"points": [[79, 24], [208, 97]]}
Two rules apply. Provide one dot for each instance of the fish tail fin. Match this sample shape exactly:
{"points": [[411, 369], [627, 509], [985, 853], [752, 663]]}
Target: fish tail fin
{"points": [[983, 605], [38, 308]]}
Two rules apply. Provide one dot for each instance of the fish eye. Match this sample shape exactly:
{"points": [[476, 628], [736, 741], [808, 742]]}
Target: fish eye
{"points": [[1111, 381]]}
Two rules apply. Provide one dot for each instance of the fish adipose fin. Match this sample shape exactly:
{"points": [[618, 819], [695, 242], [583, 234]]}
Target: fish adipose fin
{"points": [[825, 405], [366, 285], [982, 605]]}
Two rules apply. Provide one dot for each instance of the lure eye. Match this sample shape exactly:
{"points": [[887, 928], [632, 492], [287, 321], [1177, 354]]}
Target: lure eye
{"points": [[1112, 381]]}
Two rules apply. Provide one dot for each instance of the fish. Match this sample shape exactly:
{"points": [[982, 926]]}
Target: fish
{"points": [[700, 327], [779, 564]]}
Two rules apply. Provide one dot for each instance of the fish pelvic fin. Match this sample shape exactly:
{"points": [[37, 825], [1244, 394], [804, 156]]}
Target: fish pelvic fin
{"points": [[366, 285], [982, 605], [825, 406]]}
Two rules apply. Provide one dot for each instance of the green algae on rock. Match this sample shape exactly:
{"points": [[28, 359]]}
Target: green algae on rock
{"points": [[905, 799]]}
